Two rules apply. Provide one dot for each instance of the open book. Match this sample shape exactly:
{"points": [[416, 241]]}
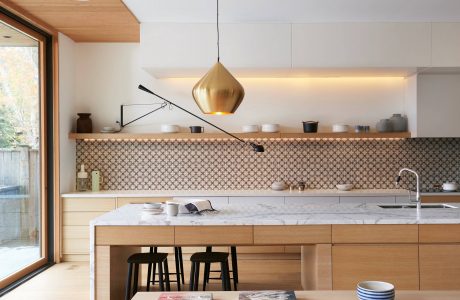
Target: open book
{"points": [[267, 295]]}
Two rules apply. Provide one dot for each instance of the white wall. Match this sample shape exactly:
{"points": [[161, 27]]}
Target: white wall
{"points": [[107, 75], [66, 112]]}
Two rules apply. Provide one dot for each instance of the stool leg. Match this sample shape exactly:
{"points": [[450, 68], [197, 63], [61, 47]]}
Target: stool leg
{"points": [[234, 266], [197, 276], [181, 264], [207, 267], [224, 276], [160, 276], [128, 282], [149, 272], [136, 278], [176, 259], [192, 277], [168, 285]]}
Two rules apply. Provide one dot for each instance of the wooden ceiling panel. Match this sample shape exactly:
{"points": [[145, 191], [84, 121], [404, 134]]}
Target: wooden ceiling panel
{"points": [[86, 21]]}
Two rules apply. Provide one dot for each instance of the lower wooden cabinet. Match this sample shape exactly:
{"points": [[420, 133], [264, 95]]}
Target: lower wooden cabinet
{"points": [[439, 267], [397, 264]]}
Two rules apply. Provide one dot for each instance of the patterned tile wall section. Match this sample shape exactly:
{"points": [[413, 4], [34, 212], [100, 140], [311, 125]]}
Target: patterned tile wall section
{"points": [[223, 164]]}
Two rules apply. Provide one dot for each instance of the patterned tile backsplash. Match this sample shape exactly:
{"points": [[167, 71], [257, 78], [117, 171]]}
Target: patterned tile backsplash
{"points": [[225, 164]]}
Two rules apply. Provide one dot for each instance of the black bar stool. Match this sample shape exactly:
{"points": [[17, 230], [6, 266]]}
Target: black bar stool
{"points": [[208, 258], [234, 270], [160, 259], [179, 268]]}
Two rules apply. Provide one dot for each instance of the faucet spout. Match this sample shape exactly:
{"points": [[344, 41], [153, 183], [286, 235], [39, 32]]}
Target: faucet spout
{"points": [[398, 179]]}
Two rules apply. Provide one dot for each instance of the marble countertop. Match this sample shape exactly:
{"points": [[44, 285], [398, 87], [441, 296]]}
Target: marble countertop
{"points": [[238, 193], [270, 214]]}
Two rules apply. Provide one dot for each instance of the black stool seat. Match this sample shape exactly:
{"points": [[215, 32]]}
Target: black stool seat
{"points": [[145, 258], [209, 257], [137, 259]]}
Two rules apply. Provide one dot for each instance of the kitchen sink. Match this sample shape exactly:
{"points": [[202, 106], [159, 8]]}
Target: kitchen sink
{"points": [[415, 206]]}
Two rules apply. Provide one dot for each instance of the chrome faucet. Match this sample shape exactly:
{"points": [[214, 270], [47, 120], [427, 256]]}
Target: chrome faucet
{"points": [[417, 195]]}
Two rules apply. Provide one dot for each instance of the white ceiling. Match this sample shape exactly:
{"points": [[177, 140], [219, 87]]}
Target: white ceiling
{"points": [[296, 11]]}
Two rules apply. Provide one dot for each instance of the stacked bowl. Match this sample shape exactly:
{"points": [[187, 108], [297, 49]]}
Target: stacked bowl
{"points": [[375, 290]]}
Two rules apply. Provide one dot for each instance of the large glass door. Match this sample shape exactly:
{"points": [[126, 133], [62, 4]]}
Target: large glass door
{"points": [[22, 151]]}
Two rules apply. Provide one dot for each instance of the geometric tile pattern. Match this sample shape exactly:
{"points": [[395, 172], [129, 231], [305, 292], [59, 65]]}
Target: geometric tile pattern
{"points": [[226, 164]]}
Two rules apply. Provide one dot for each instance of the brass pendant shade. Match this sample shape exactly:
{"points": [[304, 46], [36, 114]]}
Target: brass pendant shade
{"points": [[218, 92]]}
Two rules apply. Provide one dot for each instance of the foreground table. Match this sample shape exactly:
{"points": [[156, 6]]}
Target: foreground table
{"points": [[329, 295]]}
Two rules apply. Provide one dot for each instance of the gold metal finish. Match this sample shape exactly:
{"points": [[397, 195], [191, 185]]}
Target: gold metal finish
{"points": [[218, 92]]}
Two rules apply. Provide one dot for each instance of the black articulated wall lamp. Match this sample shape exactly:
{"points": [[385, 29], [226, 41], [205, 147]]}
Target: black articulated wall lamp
{"points": [[256, 147]]}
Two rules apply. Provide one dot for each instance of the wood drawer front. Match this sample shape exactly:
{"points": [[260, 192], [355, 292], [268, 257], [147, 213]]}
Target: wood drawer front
{"points": [[259, 249], [135, 235], [137, 200], [75, 232], [79, 218], [439, 267], [292, 234], [214, 235], [88, 204], [397, 264], [75, 246], [75, 257], [437, 233], [441, 199], [374, 234]]}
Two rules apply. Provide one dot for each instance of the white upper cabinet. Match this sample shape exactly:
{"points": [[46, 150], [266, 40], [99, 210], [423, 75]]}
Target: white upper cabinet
{"points": [[446, 44], [170, 49], [361, 45], [438, 105]]}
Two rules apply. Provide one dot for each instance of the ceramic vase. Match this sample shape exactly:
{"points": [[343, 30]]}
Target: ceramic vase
{"points": [[398, 122], [384, 125], [84, 123]]}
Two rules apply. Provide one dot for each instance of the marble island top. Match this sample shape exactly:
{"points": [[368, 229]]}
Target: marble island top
{"points": [[270, 214], [238, 193]]}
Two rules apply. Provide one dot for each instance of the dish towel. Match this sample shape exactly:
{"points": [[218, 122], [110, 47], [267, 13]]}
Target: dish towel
{"points": [[196, 206]]}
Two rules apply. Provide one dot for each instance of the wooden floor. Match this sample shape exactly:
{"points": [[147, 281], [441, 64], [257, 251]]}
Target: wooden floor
{"points": [[71, 280]]}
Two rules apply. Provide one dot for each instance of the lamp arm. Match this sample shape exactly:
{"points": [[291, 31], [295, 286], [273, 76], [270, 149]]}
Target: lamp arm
{"points": [[143, 88]]}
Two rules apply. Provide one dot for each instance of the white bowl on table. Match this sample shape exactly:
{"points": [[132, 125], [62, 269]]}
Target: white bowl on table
{"points": [[375, 290]]}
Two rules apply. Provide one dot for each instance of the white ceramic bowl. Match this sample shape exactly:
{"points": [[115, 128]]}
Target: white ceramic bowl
{"points": [[169, 128], [449, 186], [340, 128], [376, 286], [251, 128], [152, 205], [278, 186], [108, 128], [270, 127], [344, 186]]}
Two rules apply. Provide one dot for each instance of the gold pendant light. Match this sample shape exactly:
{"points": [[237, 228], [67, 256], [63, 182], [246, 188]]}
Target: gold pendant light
{"points": [[218, 92]]}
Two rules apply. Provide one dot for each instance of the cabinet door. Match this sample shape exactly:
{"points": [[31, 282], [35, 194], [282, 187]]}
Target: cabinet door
{"points": [[255, 200], [311, 200], [439, 267], [445, 44], [361, 45], [438, 105], [441, 199], [363, 200], [397, 264]]}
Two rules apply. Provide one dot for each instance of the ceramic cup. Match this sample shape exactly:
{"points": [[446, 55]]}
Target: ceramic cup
{"points": [[251, 128], [340, 128], [196, 129], [172, 209], [169, 128], [270, 127]]}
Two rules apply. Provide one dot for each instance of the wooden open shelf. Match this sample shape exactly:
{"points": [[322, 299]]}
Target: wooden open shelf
{"points": [[260, 135]]}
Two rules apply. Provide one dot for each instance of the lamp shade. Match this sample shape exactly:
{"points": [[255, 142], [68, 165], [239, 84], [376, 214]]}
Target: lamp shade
{"points": [[218, 92]]}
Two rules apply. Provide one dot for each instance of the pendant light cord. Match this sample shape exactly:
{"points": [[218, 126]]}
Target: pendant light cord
{"points": [[218, 37]]}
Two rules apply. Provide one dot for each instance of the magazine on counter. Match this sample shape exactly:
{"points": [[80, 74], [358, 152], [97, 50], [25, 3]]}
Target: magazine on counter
{"points": [[185, 296], [266, 295]]}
